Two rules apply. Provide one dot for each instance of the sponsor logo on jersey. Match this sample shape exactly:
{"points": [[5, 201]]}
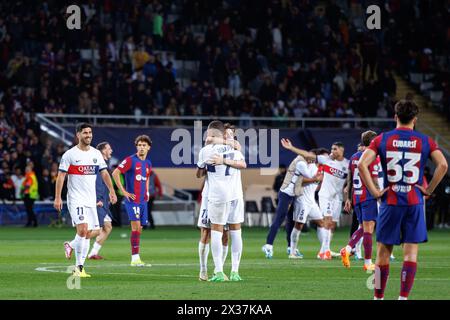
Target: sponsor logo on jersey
{"points": [[83, 170], [139, 178], [95, 160], [336, 172], [401, 188]]}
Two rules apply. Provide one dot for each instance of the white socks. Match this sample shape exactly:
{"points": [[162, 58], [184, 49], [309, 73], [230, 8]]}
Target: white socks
{"points": [[326, 240], [95, 249], [135, 257], [294, 239], [203, 251], [77, 244], [224, 254], [216, 249], [236, 249], [85, 250]]}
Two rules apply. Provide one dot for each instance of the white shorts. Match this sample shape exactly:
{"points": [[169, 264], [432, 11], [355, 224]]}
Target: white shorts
{"points": [[81, 214], [203, 221], [236, 214], [305, 210], [218, 213], [331, 207], [107, 219]]}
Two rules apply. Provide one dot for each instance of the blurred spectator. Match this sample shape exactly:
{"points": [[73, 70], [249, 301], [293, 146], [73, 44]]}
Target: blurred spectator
{"points": [[29, 193], [17, 179], [443, 203]]}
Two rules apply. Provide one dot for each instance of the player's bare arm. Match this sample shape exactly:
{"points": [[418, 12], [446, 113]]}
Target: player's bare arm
{"points": [[219, 159], [441, 169], [287, 144], [200, 172], [116, 177], [363, 166], [107, 179], [348, 193], [57, 204]]}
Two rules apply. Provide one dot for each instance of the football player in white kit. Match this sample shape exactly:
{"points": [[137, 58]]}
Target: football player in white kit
{"points": [[306, 207], [331, 192], [82, 163], [203, 222], [221, 198]]}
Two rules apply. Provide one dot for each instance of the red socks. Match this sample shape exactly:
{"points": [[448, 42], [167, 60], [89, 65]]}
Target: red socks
{"points": [[407, 278], [135, 239], [381, 277], [367, 243], [356, 236]]}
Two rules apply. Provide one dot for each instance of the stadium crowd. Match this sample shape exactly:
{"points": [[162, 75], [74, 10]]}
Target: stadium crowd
{"points": [[273, 58]]}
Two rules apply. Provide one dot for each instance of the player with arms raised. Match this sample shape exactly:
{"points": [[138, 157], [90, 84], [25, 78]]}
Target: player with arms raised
{"points": [[136, 170], [403, 155], [82, 163]]}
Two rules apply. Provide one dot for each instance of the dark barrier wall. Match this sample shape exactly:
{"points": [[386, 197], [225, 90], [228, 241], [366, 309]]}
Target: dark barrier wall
{"points": [[166, 153]]}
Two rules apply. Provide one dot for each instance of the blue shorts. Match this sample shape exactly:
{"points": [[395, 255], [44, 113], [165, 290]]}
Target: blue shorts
{"points": [[102, 212], [137, 212], [401, 224], [366, 211]]}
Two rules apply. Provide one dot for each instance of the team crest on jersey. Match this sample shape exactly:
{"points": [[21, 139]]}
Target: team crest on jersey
{"points": [[95, 160]]}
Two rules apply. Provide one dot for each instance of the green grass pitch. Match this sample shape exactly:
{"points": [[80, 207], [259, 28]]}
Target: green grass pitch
{"points": [[32, 266]]}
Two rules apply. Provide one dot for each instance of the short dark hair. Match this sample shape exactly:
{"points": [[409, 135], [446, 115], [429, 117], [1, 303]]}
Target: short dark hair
{"points": [[406, 111], [218, 125], [81, 126], [229, 126], [102, 145], [319, 151], [367, 137], [338, 144], [143, 138]]}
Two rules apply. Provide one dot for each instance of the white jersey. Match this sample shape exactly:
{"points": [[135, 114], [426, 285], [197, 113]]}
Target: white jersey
{"points": [[309, 190], [236, 181], [301, 168], [219, 177], [82, 168], [380, 177], [335, 175]]}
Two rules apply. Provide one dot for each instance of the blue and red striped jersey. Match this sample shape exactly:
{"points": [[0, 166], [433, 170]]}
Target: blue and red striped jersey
{"points": [[136, 173], [403, 155], [359, 190]]}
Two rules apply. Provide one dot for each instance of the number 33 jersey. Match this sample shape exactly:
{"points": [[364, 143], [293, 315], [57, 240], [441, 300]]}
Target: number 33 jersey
{"points": [[403, 155]]}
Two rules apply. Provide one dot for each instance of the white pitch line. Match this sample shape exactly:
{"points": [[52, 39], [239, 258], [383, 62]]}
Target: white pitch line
{"points": [[285, 264]]}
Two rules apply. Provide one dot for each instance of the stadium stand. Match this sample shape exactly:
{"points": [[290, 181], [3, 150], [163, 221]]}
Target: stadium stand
{"points": [[299, 59]]}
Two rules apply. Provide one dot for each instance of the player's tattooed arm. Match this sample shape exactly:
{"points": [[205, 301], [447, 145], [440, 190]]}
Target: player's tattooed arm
{"points": [[347, 194], [107, 179], [287, 144], [219, 159]]}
